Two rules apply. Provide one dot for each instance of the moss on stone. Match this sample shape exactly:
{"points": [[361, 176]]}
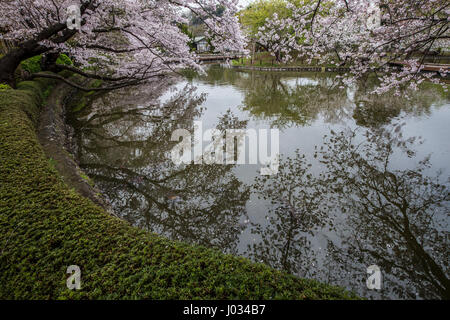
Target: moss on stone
{"points": [[32, 65]]}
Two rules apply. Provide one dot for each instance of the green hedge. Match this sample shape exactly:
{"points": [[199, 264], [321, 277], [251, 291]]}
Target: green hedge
{"points": [[45, 227]]}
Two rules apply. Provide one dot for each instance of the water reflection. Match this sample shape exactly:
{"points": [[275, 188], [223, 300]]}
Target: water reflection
{"points": [[295, 103], [397, 219], [127, 153], [377, 110], [367, 193], [297, 211], [289, 99]]}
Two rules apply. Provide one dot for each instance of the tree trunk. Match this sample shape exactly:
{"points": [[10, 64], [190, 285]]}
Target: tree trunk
{"points": [[30, 48], [278, 56], [48, 62], [8, 65], [10, 62], [253, 51]]}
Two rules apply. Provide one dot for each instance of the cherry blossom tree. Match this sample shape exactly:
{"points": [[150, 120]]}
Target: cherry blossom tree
{"points": [[364, 35], [122, 42]]}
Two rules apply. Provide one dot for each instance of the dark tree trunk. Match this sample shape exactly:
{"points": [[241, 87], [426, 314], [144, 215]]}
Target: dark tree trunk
{"points": [[10, 62], [31, 48], [48, 62], [8, 66], [278, 56]]}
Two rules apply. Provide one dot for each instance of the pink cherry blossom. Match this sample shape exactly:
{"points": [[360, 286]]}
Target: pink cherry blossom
{"points": [[125, 41], [365, 35]]}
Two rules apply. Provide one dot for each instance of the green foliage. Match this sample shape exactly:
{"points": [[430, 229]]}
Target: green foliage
{"points": [[32, 65], [64, 60], [4, 87], [45, 227], [254, 16], [47, 92], [185, 29], [52, 162]]}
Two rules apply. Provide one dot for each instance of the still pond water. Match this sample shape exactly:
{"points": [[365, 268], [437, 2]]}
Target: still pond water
{"points": [[363, 180]]}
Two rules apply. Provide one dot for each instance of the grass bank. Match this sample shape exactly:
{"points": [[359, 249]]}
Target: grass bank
{"points": [[45, 226]]}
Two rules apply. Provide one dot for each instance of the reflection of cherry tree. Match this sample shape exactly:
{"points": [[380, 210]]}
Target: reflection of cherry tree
{"points": [[398, 218], [368, 212], [134, 122], [375, 110], [126, 151], [288, 99], [296, 211], [216, 75], [293, 101], [284, 97]]}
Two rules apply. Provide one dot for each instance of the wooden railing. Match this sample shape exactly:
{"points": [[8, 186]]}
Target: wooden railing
{"points": [[218, 57], [433, 67]]}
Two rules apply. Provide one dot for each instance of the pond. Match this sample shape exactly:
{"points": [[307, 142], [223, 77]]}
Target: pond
{"points": [[363, 180]]}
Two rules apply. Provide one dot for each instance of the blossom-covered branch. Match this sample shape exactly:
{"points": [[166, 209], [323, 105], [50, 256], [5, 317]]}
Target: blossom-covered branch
{"points": [[365, 35], [119, 40]]}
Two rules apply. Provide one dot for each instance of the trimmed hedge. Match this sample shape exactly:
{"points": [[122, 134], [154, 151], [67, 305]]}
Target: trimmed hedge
{"points": [[45, 227]]}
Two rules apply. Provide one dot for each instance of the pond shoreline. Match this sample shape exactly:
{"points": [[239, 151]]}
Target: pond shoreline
{"points": [[56, 137], [294, 69], [50, 226], [445, 78]]}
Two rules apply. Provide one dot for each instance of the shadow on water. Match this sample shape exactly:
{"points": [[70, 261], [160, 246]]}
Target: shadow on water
{"points": [[364, 195]]}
